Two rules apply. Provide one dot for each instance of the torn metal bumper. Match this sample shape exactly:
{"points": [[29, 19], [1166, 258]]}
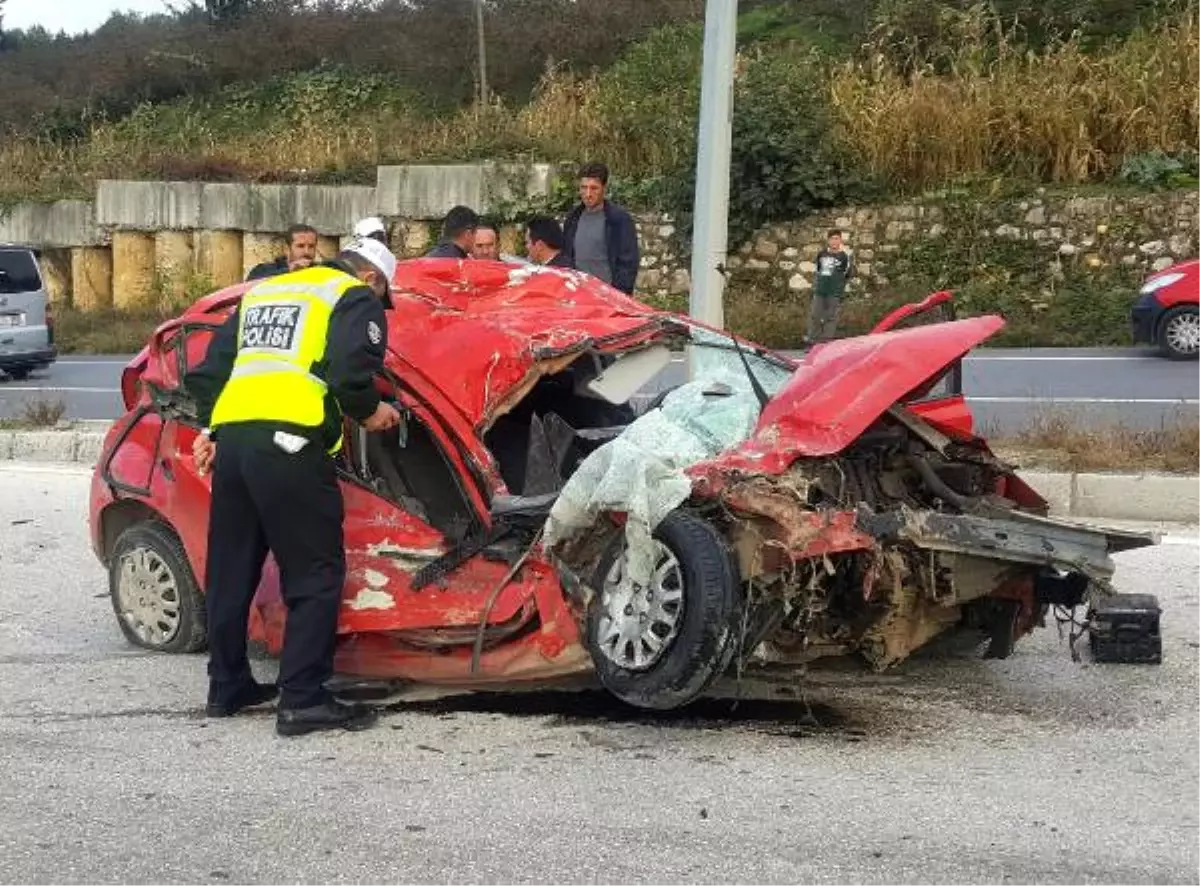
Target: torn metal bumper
{"points": [[1012, 536]]}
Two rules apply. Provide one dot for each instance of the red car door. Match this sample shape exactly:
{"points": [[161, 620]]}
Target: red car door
{"points": [[411, 501]]}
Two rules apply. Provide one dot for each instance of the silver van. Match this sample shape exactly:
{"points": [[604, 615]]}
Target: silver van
{"points": [[26, 323]]}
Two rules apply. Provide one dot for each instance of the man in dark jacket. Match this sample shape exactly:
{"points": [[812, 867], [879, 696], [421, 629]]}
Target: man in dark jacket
{"points": [[302, 350], [544, 242], [600, 236], [458, 234], [301, 252]]}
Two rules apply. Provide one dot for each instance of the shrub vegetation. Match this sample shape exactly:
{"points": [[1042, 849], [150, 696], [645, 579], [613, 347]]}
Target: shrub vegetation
{"points": [[837, 102]]}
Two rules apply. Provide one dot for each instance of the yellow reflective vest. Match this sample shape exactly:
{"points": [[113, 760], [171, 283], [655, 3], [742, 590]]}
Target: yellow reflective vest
{"points": [[282, 332]]}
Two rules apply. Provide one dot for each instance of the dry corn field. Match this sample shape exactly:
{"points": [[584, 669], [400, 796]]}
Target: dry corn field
{"points": [[1063, 116]]}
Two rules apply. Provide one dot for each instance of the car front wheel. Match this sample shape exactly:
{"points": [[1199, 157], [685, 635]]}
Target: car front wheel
{"points": [[1179, 333], [155, 596], [659, 646]]}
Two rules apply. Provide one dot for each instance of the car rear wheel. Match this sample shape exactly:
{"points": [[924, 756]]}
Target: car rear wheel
{"points": [[155, 596], [1179, 333], [18, 374], [660, 646]]}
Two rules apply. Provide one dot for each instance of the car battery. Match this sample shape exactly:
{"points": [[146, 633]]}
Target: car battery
{"points": [[1124, 628]]}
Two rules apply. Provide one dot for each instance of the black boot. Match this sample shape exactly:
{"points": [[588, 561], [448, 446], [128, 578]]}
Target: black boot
{"points": [[330, 715], [245, 696]]}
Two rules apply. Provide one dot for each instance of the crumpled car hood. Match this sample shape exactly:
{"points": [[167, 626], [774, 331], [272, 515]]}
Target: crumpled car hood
{"points": [[842, 387]]}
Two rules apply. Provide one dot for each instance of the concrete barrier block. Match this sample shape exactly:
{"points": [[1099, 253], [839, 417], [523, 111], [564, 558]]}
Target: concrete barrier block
{"points": [[411, 239], [148, 206], [218, 256], [1054, 486], [333, 210], [61, 224], [174, 262], [505, 182], [56, 272], [91, 278], [1137, 497], [327, 247], [133, 280], [88, 447], [428, 192], [225, 207], [273, 208], [55, 446], [261, 248]]}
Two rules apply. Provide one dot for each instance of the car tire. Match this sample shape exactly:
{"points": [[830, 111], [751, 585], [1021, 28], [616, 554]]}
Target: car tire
{"points": [[1178, 331], [703, 641], [18, 374], [155, 596]]}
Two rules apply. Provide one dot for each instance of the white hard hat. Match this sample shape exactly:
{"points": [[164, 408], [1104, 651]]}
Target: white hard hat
{"points": [[368, 226], [375, 253]]}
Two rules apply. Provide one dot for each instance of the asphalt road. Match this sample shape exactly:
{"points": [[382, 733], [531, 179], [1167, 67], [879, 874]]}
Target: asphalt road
{"points": [[1033, 769], [1008, 389]]}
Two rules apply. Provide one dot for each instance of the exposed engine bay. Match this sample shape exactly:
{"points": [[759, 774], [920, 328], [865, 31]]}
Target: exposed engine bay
{"points": [[895, 541]]}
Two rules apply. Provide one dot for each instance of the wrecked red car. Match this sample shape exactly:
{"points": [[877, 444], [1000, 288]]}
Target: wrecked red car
{"points": [[540, 513]]}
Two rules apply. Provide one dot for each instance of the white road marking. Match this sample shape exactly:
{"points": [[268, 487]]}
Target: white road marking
{"points": [[21, 467], [32, 389], [115, 362], [1014, 358], [1055, 401], [1062, 359], [1191, 541]]}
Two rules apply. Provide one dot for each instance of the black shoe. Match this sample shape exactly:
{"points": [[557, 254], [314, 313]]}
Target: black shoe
{"points": [[331, 715], [249, 695]]}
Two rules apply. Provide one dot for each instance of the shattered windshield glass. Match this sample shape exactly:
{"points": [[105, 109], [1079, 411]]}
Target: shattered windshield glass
{"points": [[641, 473], [715, 355]]}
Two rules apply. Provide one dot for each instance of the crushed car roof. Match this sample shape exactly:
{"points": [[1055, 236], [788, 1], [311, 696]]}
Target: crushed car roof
{"points": [[476, 328]]}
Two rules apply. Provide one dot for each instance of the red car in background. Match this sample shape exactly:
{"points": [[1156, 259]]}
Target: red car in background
{"points": [[861, 516], [1167, 312]]}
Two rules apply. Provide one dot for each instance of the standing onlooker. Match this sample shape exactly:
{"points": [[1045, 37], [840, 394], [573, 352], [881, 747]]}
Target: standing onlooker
{"points": [[600, 236], [544, 242], [835, 266], [486, 246], [301, 253], [458, 234]]}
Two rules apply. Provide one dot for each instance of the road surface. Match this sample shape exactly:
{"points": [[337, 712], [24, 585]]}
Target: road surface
{"points": [[954, 770], [1008, 388]]}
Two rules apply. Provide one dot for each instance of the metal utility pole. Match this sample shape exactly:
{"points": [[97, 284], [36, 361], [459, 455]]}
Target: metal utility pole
{"points": [[483, 83], [710, 231]]}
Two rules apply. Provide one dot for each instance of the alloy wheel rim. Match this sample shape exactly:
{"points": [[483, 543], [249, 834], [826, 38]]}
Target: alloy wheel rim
{"points": [[1183, 333], [148, 597], [638, 623]]}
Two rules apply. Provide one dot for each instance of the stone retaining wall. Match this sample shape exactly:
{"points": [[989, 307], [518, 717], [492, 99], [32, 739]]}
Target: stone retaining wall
{"points": [[143, 243], [1144, 231]]}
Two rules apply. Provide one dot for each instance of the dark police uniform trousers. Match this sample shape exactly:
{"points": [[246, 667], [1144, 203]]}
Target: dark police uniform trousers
{"points": [[264, 498]]}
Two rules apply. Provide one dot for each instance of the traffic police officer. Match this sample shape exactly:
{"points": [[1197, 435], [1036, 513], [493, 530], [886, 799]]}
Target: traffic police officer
{"points": [[302, 349]]}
